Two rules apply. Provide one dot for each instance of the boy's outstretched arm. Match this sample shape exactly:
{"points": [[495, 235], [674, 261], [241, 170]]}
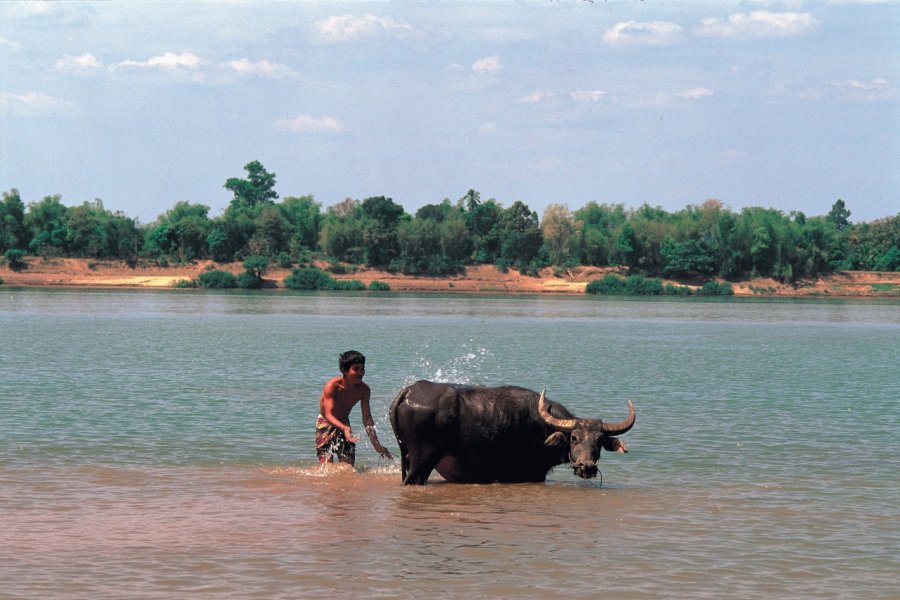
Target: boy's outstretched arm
{"points": [[370, 430]]}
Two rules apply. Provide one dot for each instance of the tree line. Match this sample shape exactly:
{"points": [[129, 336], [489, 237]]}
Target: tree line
{"points": [[705, 241]]}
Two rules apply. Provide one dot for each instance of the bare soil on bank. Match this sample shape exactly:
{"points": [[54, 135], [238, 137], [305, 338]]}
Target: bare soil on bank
{"points": [[74, 272]]}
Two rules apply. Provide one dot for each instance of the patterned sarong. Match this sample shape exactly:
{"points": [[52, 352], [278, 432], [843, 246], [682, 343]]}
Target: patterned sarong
{"points": [[330, 441]]}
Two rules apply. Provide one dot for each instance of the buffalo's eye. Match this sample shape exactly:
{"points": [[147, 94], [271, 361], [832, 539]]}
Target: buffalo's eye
{"points": [[576, 438]]}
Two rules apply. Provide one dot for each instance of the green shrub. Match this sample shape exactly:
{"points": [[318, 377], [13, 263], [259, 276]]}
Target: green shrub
{"points": [[284, 260], [354, 285], [634, 285], [257, 265], [185, 283], [309, 278], [248, 281], [638, 285], [339, 268], [671, 289], [314, 278], [217, 279], [380, 286], [889, 261], [609, 285], [714, 288], [15, 258], [1, 281]]}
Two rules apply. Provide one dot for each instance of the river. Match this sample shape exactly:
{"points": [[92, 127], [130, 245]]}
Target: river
{"points": [[158, 444]]}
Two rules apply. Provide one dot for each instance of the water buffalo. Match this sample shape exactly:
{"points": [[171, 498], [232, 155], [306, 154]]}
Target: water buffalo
{"points": [[473, 434]]}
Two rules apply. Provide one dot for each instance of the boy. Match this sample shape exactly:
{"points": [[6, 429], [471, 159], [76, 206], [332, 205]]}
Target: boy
{"points": [[333, 433]]}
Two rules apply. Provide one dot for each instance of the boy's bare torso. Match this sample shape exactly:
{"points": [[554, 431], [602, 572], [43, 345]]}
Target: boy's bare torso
{"points": [[345, 395]]}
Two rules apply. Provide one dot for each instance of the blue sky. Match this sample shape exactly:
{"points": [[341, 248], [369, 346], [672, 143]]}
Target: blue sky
{"points": [[788, 105]]}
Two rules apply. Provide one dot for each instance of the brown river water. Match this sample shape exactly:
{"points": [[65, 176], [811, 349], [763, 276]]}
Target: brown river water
{"points": [[290, 532]]}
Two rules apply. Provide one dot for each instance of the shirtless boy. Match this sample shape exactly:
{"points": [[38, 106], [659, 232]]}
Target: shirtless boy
{"points": [[334, 437]]}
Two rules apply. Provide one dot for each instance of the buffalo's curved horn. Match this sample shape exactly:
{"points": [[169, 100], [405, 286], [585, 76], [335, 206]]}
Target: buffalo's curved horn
{"points": [[620, 428], [561, 424]]}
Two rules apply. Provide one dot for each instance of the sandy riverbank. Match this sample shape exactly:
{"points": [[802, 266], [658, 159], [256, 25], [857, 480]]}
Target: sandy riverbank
{"points": [[73, 272]]}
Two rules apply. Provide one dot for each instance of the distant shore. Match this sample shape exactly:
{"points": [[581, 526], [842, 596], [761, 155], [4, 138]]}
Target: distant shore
{"points": [[76, 272]]}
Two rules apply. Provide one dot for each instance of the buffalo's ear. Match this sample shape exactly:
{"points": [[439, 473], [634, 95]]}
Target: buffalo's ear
{"points": [[614, 445], [557, 438]]}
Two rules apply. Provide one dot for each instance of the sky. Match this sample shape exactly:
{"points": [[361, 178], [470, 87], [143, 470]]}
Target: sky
{"points": [[779, 104]]}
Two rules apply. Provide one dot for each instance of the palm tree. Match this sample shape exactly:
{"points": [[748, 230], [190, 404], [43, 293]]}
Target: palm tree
{"points": [[472, 200]]}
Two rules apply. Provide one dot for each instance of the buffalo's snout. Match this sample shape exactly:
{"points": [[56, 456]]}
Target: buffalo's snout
{"points": [[585, 471]]}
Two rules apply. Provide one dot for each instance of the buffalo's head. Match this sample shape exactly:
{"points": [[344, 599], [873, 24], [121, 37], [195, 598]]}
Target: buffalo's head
{"points": [[585, 438]]}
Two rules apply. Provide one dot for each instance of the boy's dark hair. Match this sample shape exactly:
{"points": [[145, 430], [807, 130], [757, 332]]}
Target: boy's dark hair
{"points": [[351, 357]]}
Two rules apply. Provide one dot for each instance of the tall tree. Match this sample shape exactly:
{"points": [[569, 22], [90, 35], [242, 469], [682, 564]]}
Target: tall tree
{"points": [[13, 233], [471, 202], [380, 218], [251, 195], [181, 232], [86, 233], [600, 222], [485, 224], [257, 189], [520, 235], [303, 217], [626, 246], [342, 235], [271, 233], [559, 230], [46, 223], [839, 215]]}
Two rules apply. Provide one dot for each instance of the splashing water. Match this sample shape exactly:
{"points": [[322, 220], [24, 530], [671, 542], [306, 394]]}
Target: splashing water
{"points": [[459, 369]]}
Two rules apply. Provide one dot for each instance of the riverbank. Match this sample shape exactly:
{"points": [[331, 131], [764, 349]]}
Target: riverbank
{"points": [[74, 272]]}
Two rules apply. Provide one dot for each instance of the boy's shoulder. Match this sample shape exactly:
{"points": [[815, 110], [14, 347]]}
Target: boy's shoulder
{"points": [[333, 381]]}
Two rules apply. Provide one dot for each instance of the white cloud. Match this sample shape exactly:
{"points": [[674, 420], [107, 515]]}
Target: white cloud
{"points": [[306, 123], [488, 64], [35, 101], [167, 62], [576, 96], [655, 33], [44, 13], [679, 98], [25, 10], [866, 91], [262, 68], [695, 93], [537, 97], [587, 95], [342, 28], [86, 63], [759, 24], [6, 44], [874, 85], [852, 90], [487, 128]]}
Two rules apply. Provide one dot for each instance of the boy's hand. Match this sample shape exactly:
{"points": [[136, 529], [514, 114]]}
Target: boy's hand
{"points": [[348, 435]]}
